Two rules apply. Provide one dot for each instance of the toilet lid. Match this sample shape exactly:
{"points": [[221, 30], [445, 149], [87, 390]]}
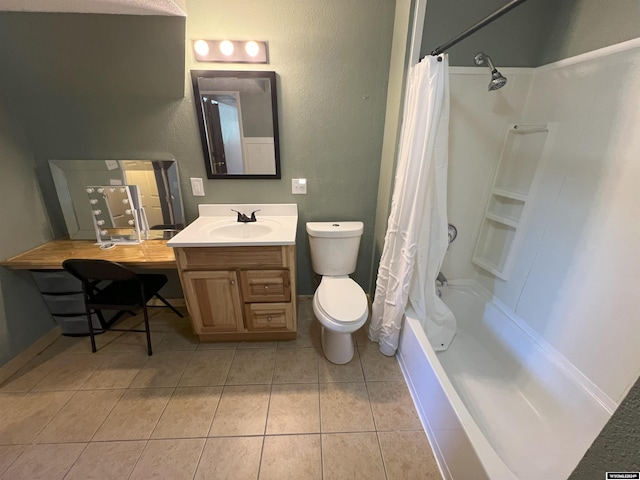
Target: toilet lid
{"points": [[342, 299]]}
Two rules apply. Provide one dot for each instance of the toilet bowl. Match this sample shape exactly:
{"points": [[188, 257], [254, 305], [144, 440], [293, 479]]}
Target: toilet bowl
{"points": [[341, 307]]}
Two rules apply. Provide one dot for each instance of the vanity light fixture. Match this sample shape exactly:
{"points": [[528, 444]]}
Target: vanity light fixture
{"points": [[230, 51]]}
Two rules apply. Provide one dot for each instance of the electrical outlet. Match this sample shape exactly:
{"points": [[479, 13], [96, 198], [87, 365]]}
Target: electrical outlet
{"points": [[197, 187], [299, 186]]}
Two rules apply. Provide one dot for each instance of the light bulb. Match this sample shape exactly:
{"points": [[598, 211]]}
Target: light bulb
{"points": [[101, 190], [89, 190], [93, 201], [252, 48], [226, 47], [97, 212], [128, 212], [100, 222], [103, 232], [131, 222], [201, 47], [125, 201]]}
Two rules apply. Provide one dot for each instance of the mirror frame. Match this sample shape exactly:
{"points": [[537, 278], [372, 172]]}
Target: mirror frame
{"points": [[195, 75]]}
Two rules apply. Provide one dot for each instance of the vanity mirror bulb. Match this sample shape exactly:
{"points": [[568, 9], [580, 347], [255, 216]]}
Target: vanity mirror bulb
{"points": [[97, 212]]}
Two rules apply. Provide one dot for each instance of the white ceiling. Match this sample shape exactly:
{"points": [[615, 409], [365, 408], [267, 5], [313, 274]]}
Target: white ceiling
{"points": [[175, 8]]}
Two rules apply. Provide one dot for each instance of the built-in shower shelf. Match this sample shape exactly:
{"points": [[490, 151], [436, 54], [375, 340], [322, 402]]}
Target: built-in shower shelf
{"points": [[501, 192], [504, 220], [514, 184]]}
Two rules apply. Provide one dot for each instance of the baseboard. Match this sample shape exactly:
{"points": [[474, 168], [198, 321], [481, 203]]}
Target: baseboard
{"points": [[29, 353]]}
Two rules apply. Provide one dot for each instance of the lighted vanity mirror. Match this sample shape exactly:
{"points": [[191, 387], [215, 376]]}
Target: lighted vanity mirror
{"points": [[116, 212], [157, 185], [238, 118]]}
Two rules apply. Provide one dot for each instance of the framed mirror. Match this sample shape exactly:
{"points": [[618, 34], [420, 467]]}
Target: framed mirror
{"points": [[238, 119], [157, 184]]}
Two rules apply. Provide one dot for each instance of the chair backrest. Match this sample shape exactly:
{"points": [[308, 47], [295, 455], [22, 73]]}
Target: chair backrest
{"points": [[91, 270]]}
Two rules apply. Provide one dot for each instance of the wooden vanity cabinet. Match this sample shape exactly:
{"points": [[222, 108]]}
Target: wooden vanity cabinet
{"points": [[240, 293]]}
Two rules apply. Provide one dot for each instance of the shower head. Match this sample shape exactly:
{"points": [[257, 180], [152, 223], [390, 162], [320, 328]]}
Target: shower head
{"points": [[497, 79]]}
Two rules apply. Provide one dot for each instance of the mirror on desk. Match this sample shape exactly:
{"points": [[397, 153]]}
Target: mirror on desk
{"points": [[238, 119], [156, 182]]}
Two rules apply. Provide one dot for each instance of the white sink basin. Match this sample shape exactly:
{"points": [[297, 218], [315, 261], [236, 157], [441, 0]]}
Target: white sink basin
{"points": [[240, 230], [218, 225]]}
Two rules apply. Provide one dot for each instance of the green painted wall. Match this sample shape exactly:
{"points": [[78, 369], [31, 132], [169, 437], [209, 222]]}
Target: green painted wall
{"points": [[23, 315], [332, 62]]}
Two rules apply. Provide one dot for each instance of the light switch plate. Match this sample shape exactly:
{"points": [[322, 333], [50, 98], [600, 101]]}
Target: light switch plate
{"points": [[197, 187], [299, 186]]}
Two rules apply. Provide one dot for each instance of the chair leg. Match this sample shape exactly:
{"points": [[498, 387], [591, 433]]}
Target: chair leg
{"points": [[147, 330], [91, 332], [169, 305]]}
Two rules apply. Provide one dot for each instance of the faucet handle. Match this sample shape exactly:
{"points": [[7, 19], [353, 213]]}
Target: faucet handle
{"points": [[241, 216], [253, 215]]}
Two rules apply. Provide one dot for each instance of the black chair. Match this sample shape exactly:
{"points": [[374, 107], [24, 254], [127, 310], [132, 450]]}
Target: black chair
{"points": [[125, 290]]}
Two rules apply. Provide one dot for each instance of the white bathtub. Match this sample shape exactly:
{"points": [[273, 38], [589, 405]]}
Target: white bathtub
{"points": [[499, 403]]}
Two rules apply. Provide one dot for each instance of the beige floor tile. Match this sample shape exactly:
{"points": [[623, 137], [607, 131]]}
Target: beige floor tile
{"points": [[27, 414], [218, 345], [392, 406], [131, 342], [296, 365], [170, 459], [9, 454], [135, 415], [344, 407], [189, 413], [363, 460], [291, 457], [207, 368], [81, 416], [362, 336], [180, 340], [294, 408], [163, 369], [116, 371], [27, 377], [50, 462], [242, 411], [230, 458], [349, 372], [69, 372], [378, 367], [408, 456], [308, 330], [106, 461], [252, 366], [245, 345]]}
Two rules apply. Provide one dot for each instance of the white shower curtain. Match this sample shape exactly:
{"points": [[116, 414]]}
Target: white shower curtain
{"points": [[416, 239]]}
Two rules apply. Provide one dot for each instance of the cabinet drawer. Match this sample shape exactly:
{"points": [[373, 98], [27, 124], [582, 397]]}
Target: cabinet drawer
{"points": [[229, 258], [265, 286], [269, 316]]}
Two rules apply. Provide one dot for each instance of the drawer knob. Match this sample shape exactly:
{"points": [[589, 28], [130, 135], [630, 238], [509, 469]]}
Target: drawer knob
{"points": [[232, 282], [266, 287], [268, 319]]}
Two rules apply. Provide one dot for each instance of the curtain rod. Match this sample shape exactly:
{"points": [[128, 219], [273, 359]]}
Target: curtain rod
{"points": [[482, 23]]}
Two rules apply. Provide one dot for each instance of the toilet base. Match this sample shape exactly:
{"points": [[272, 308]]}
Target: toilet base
{"points": [[337, 347]]}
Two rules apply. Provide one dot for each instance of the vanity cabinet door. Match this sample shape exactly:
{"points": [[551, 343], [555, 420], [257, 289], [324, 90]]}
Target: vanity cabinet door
{"points": [[214, 301]]}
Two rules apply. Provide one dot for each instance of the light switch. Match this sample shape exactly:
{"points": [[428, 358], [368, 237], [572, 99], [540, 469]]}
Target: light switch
{"points": [[197, 187], [299, 186]]}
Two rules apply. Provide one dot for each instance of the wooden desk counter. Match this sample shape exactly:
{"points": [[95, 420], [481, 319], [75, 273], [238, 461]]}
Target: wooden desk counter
{"points": [[148, 254]]}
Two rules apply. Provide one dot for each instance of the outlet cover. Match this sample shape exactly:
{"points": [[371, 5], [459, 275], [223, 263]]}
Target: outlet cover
{"points": [[197, 187], [299, 186]]}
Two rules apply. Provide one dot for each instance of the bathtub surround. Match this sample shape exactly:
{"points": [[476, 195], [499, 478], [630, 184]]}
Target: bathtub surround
{"points": [[416, 238]]}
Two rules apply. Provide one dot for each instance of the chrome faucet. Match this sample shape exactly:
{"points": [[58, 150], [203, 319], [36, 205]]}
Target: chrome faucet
{"points": [[245, 219], [442, 279]]}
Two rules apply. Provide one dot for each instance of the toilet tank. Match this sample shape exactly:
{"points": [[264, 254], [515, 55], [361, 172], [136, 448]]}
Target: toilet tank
{"points": [[334, 246]]}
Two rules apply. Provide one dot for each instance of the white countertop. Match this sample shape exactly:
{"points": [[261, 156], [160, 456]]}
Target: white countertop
{"points": [[217, 225]]}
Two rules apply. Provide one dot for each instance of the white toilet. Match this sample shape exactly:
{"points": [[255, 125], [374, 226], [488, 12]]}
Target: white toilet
{"points": [[339, 304]]}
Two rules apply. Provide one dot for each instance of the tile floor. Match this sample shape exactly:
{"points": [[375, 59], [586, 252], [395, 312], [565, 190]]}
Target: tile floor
{"points": [[270, 410]]}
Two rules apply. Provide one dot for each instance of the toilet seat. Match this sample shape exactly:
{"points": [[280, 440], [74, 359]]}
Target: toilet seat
{"points": [[342, 300]]}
